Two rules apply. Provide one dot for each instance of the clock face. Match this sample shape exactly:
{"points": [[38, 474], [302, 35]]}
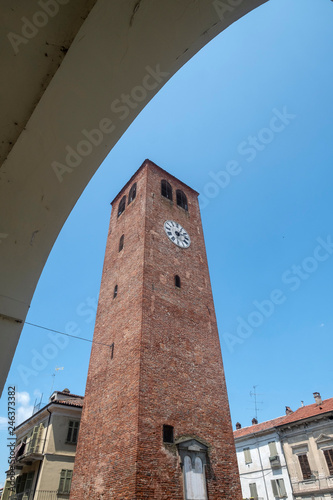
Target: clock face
{"points": [[177, 234]]}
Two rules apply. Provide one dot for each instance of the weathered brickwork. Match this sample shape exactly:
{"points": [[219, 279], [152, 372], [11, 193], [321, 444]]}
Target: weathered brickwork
{"points": [[166, 367]]}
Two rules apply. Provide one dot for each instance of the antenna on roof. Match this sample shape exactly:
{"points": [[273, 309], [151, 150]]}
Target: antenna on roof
{"points": [[37, 406], [254, 394], [57, 368]]}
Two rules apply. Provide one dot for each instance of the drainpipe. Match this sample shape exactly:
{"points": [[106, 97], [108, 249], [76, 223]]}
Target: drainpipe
{"points": [[286, 466], [262, 469], [40, 463]]}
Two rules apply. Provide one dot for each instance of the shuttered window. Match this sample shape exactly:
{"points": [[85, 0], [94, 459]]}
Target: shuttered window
{"points": [[65, 481], [329, 460], [24, 482], [73, 430], [279, 490], [305, 466], [272, 449], [28, 483], [35, 439], [253, 490], [247, 455]]}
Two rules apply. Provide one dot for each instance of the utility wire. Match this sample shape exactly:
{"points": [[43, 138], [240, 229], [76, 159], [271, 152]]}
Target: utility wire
{"points": [[67, 334]]}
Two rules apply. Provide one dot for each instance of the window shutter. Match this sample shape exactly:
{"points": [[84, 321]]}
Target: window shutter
{"points": [[28, 483], [39, 437], [20, 482], [247, 455], [62, 481], [274, 488], [272, 448], [329, 460], [33, 439], [282, 488], [68, 481], [28, 486], [305, 466], [253, 490]]}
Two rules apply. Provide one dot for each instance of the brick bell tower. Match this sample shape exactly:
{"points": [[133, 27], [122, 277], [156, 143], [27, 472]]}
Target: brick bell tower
{"points": [[156, 421]]}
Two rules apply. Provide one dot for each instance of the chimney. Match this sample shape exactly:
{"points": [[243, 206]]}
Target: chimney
{"points": [[289, 411], [254, 421], [238, 425], [317, 397]]}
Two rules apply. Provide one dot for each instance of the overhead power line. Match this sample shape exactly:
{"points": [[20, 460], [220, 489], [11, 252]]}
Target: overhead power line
{"points": [[67, 334]]}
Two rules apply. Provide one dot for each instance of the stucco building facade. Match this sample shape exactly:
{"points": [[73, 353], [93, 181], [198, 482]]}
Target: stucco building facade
{"points": [[261, 462], [290, 456], [307, 439], [45, 450]]}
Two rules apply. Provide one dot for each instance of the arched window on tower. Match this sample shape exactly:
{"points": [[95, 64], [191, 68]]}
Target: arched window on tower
{"points": [[122, 206], [181, 199], [166, 189], [132, 193], [177, 281], [115, 292], [121, 243]]}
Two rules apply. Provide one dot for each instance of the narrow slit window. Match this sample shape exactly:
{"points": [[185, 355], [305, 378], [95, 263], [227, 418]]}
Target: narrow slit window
{"points": [[112, 350], [122, 206], [168, 434], [132, 193], [115, 292], [166, 189], [121, 243], [177, 281], [181, 199]]}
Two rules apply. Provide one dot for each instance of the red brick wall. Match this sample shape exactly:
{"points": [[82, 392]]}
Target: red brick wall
{"points": [[167, 366]]}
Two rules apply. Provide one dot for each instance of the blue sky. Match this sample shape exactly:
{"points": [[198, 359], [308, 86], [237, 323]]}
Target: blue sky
{"points": [[256, 102]]}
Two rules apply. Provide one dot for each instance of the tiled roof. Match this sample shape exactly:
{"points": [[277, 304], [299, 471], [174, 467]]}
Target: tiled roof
{"points": [[263, 426], [309, 411], [69, 394], [301, 413], [71, 402]]}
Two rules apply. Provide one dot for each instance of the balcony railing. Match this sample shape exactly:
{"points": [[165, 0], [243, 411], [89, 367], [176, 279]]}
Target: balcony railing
{"points": [[26, 495], [29, 451], [275, 462], [313, 484]]}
